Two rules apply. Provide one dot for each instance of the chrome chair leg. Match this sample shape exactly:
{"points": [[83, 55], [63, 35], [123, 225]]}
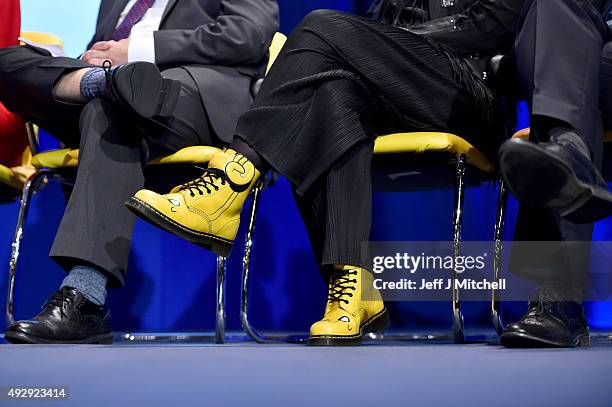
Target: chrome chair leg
{"points": [[220, 315], [246, 278], [246, 271], [31, 186], [458, 326], [497, 260]]}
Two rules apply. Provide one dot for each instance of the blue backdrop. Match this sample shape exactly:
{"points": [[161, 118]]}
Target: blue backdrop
{"points": [[170, 284]]}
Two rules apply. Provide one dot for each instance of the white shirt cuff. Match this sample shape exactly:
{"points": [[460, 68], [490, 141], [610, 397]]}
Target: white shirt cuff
{"points": [[142, 47]]}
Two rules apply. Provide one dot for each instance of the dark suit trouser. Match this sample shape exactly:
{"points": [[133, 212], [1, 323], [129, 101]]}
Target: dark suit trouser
{"points": [[559, 56], [340, 81], [96, 228]]}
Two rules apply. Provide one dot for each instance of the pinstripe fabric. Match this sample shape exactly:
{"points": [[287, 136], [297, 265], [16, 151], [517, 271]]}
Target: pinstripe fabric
{"points": [[339, 82]]}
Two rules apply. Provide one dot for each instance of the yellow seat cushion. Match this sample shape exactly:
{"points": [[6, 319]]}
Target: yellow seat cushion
{"points": [[188, 155], [42, 38], [425, 142], [278, 42], [64, 158], [15, 178], [67, 158]]}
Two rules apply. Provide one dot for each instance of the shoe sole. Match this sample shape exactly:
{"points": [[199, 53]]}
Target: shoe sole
{"points": [[146, 212], [377, 323], [539, 179], [22, 338], [522, 340], [145, 91]]}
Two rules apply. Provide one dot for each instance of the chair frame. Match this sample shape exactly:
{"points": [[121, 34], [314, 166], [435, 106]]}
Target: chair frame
{"points": [[34, 184], [502, 201], [458, 326]]}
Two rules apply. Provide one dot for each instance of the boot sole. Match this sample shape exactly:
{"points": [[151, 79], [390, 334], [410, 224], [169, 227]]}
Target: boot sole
{"points": [[145, 91], [522, 340], [539, 179], [146, 212], [22, 338], [377, 323]]}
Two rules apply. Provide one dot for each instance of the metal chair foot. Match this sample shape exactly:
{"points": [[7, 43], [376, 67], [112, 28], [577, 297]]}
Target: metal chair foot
{"points": [[497, 260], [458, 327], [31, 186], [220, 315]]}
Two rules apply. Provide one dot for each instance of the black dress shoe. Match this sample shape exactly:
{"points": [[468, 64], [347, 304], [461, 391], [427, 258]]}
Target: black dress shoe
{"points": [[555, 175], [67, 317], [140, 87], [548, 323]]}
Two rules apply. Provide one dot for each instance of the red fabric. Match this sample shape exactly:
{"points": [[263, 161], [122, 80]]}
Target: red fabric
{"points": [[11, 22], [13, 139]]}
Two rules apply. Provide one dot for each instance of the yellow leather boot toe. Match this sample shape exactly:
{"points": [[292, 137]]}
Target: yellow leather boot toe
{"points": [[205, 211], [354, 309]]}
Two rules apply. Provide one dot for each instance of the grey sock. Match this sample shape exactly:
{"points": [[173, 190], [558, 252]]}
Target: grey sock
{"points": [[90, 282], [93, 84]]}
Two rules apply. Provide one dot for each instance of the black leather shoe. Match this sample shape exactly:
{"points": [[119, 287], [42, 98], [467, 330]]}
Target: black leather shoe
{"points": [[67, 317], [548, 323], [140, 87], [555, 175]]}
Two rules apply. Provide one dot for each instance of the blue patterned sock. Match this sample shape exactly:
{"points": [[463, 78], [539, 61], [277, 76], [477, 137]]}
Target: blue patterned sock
{"points": [[90, 282], [93, 84]]}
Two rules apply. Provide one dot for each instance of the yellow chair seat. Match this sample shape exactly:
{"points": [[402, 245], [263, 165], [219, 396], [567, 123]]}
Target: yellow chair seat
{"points": [[416, 143], [42, 38], [64, 158], [424, 142], [14, 178], [188, 155]]}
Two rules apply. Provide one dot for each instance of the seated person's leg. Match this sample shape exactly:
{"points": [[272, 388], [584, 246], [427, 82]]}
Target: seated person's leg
{"points": [[93, 240], [555, 177], [339, 81], [52, 91]]}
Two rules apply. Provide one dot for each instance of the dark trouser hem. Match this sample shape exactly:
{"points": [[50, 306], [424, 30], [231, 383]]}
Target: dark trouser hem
{"points": [[568, 265]]}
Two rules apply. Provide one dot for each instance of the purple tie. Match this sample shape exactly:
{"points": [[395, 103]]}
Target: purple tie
{"points": [[133, 16]]}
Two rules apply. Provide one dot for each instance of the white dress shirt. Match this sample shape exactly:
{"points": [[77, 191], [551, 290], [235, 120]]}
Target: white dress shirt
{"points": [[142, 45]]}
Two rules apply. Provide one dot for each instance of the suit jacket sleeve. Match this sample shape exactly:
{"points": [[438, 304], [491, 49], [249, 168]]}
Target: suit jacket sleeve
{"points": [[239, 36], [482, 28]]}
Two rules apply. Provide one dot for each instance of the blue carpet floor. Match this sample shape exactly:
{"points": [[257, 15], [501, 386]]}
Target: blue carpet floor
{"points": [[245, 374]]}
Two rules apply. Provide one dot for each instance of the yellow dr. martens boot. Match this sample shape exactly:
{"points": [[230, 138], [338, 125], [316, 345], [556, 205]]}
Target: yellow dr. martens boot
{"points": [[354, 309], [205, 211]]}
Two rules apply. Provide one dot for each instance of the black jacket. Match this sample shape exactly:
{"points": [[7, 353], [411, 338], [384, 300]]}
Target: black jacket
{"points": [[222, 43], [472, 28]]}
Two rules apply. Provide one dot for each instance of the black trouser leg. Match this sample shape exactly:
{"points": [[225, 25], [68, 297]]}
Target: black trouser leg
{"points": [[605, 83], [96, 228], [339, 81], [558, 50], [337, 209], [564, 261], [27, 78]]}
